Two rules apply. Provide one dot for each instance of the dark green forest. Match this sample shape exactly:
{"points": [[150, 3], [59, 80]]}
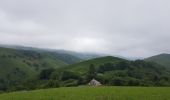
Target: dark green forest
{"points": [[123, 73]]}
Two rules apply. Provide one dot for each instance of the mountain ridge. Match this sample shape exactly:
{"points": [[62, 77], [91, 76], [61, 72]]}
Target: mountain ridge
{"points": [[162, 59]]}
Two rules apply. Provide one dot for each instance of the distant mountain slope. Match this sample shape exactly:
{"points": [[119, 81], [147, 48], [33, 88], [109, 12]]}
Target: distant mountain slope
{"points": [[162, 59], [83, 56], [67, 56]]}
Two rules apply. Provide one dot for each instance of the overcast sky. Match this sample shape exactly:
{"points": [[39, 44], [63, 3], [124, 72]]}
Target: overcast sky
{"points": [[130, 28]]}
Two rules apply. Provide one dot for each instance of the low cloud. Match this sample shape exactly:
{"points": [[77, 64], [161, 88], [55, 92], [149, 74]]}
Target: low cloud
{"points": [[131, 28]]}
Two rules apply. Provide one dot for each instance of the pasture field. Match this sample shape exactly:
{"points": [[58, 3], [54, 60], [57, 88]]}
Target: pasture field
{"points": [[92, 93]]}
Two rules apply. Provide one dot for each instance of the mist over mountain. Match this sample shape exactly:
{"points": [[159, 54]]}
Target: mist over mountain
{"points": [[125, 28]]}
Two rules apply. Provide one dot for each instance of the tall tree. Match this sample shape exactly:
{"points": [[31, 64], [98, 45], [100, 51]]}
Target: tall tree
{"points": [[91, 73]]}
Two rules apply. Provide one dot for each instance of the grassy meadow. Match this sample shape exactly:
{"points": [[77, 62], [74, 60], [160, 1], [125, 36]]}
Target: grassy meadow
{"points": [[92, 93]]}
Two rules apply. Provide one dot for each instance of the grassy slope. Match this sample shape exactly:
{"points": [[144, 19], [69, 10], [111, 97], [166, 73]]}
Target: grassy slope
{"points": [[8, 65], [83, 66], [162, 59], [21, 64], [92, 93]]}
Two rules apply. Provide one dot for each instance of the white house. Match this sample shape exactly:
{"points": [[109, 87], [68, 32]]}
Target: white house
{"points": [[94, 82]]}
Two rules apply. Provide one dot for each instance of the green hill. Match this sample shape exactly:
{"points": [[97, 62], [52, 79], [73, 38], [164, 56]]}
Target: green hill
{"points": [[162, 59], [84, 65], [111, 71], [19, 64]]}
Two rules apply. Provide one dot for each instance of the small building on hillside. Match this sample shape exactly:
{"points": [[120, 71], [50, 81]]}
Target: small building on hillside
{"points": [[94, 82]]}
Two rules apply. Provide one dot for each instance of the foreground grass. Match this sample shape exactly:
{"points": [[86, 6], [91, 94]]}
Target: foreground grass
{"points": [[92, 93]]}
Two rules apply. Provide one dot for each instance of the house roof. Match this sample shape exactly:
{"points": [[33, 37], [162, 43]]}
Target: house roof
{"points": [[94, 82]]}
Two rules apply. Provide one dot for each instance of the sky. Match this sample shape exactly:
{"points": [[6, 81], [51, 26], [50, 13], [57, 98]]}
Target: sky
{"points": [[129, 28]]}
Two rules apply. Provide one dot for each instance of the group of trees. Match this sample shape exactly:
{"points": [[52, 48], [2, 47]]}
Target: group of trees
{"points": [[134, 73], [124, 73]]}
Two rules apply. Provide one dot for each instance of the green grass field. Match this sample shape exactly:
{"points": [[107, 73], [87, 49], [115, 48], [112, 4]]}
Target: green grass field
{"points": [[92, 93]]}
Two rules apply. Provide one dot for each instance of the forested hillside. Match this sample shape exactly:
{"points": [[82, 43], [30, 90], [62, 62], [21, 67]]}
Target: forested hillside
{"points": [[162, 59], [27, 69], [17, 65], [111, 71]]}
